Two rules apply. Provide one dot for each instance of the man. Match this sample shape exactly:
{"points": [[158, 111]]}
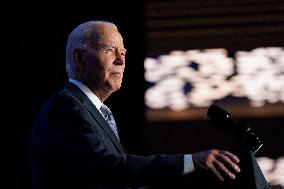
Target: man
{"points": [[75, 143]]}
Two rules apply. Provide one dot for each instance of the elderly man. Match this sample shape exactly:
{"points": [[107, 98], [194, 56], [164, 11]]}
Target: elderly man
{"points": [[75, 142]]}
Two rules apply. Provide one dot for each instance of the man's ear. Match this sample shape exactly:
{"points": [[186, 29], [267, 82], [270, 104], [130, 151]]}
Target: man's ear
{"points": [[78, 57]]}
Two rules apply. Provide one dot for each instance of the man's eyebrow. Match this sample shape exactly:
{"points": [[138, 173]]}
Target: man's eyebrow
{"points": [[116, 47], [107, 45], [110, 45], [125, 50]]}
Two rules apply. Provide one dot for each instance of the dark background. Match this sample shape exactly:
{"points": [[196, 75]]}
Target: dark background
{"points": [[36, 36], [37, 63]]}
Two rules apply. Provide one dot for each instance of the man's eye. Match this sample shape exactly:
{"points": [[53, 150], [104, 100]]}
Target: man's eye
{"points": [[123, 54], [110, 50]]}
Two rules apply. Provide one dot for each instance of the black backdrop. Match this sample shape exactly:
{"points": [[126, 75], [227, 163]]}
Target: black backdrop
{"points": [[37, 67]]}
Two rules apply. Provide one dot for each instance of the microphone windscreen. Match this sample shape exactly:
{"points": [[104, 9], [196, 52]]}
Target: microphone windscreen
{"points": [[216, 112]]}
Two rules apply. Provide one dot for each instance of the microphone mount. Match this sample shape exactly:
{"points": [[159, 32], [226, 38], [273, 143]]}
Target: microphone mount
{"points": [[246, 137]]}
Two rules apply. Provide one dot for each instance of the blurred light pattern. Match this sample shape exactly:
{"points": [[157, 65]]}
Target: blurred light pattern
{"points": [[272, 169], [195, 78]]}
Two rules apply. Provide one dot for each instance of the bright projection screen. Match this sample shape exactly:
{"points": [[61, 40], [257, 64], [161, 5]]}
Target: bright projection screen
{"points": [[192, 80]]}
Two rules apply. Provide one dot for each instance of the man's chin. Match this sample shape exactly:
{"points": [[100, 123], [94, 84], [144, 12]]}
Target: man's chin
{"points": [[116, 86]]}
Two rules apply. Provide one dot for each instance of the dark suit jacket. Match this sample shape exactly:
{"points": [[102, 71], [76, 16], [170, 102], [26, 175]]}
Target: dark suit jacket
{"points": [[72, 146]]}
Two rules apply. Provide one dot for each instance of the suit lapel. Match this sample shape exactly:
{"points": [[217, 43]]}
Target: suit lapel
{"points": [[96, 114]]}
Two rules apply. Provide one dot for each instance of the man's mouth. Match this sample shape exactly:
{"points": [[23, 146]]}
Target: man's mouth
{"points": [[116, 74]]}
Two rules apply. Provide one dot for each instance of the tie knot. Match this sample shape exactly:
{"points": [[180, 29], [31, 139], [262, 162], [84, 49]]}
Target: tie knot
{"points": [[106, 111]]}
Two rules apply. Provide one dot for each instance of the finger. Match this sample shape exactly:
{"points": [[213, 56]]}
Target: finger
{"points": [[220, 166], [225, 159], [232, 156], [216, 173]]}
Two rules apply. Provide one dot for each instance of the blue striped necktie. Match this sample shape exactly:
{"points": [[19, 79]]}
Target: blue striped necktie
{"points": [[110, 119]]}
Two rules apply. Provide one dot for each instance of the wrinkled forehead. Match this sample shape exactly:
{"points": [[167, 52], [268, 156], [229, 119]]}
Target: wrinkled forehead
{"points": [[109, 35]]}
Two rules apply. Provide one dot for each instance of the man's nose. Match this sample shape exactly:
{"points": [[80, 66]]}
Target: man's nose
{"points": [[120, 58]]}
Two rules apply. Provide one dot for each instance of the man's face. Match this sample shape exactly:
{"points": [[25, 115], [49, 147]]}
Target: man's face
{"points": [[105, 62]]}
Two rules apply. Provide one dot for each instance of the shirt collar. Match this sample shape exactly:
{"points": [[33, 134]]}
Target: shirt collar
{"points": [[91, 95]]}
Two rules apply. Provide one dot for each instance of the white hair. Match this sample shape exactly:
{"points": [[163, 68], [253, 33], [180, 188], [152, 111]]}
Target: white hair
{"points": [[82, 37]]}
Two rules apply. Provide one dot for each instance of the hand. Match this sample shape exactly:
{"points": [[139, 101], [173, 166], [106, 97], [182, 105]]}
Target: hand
{"points": [[218, 162]]}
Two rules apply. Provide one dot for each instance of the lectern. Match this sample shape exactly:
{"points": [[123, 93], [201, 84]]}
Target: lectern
{"points": [[247, 144]]}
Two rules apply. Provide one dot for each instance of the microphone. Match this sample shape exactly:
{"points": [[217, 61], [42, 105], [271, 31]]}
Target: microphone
{"points": [[224, 121]]}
